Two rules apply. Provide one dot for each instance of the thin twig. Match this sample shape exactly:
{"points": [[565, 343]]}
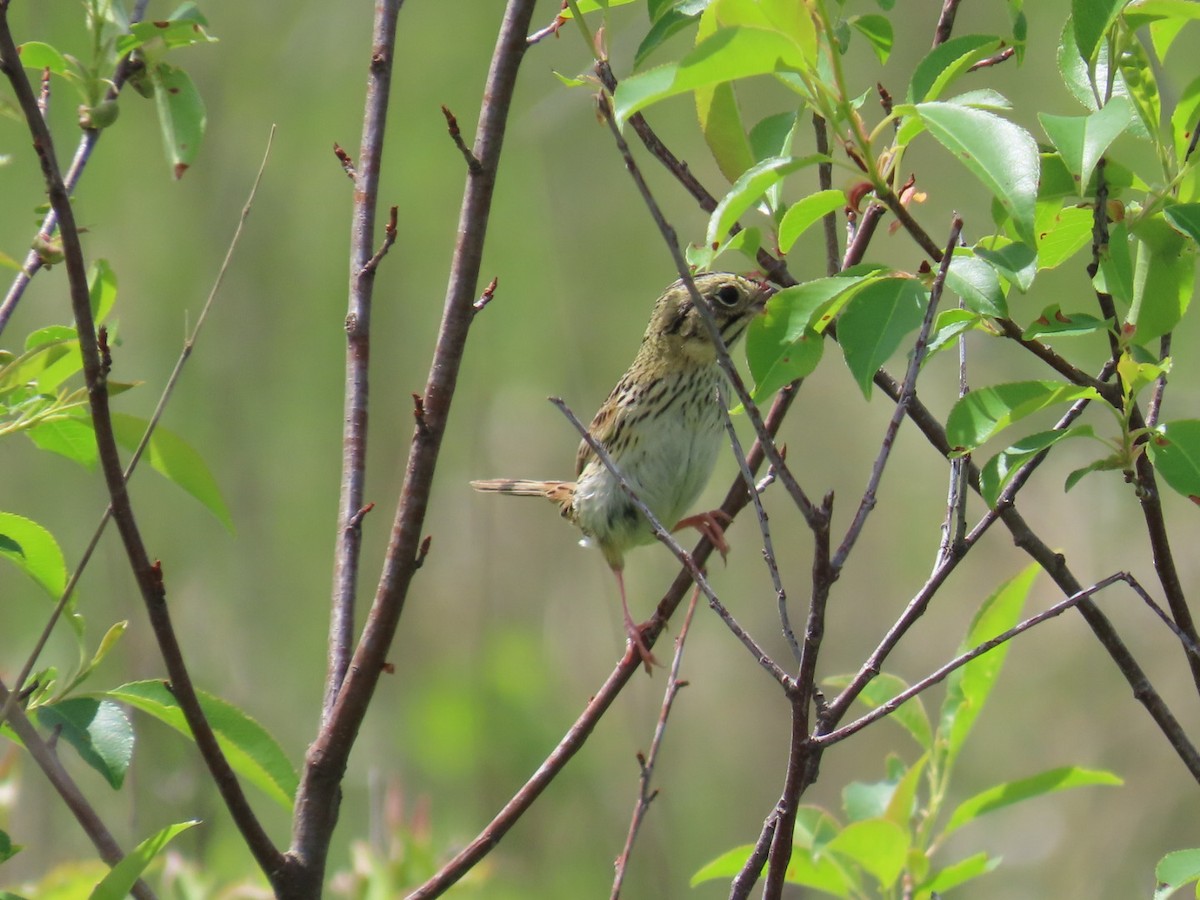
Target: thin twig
{"points": [[364, 263], [945, 23], [764, 526], [320, 783], [168, 389], [646, 764], [83, 153], [907, 391], [885, 709], [473, 164], [147, 574]]}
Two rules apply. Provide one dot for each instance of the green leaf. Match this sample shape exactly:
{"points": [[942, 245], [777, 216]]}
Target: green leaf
{"points": [[957, 873], [911, 715], [117, 884], [1002, 155], [1163, 279], [7, 851], [876, 321], [948, 326], [749, 189], [172, 457], [968, 687], [726, 55], [1000, 469], [1011, 792], [251, 751], [1174, 449], [69, 436], [822, 874], [975, 281], [39, 555], [181, 115], [161, 35], [802, 214], [1185, 218], [99, 731], [1061, 233], [664, 27], [878, 845], [1082, 140], [984, 413], [1091, 19], [1116, 266], [721, 121], [102, 289], [1078, 76], [877, 30], [36, 55], [1174, 870], [1053, 322], [946, 62]]}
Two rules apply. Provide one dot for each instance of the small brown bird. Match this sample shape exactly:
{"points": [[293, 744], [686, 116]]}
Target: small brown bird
{"points": [[662, 427]]}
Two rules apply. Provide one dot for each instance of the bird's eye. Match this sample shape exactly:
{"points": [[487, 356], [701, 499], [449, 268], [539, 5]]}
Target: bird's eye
{"points": [[728, 296]]}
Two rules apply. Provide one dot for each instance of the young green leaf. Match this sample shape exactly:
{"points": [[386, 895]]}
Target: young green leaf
{"points": [[946, 62], [1163, 279], [726, 55], [69, 436], [1061, 233], [984, 413], [1082, 140], [171, 456], [976, 282], [968, 687], [1053, 322], [802, 214], [749, 189], [1011, 792], [117, 884], [99, 731], [721, 122], [1185, 218], [37, 553], [1174, 449], [958, 873], [1175, 870], [880, 846], [911, 715], [1001, 154], [1091, 19], [1000, 469], [181, 115], [876, 321], [251, 751], [878, 31], [102, 289], [37, 55]]}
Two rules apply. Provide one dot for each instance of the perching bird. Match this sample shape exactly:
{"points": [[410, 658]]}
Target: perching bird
{"points": [[662, 427]]}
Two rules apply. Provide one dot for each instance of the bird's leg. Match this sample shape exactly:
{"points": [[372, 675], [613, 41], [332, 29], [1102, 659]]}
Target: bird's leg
{"points": [[710, 525], [632, 629]]}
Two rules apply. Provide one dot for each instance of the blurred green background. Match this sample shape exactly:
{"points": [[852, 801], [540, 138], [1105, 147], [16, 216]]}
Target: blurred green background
{"points": [[509, 627]]}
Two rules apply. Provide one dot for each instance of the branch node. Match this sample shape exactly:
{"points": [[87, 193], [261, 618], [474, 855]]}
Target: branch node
{"points": [[486, 297], [389, 238], [419, 412], [423, 551], [473, 164], [346, 161], [105, 352], [356, 520]]}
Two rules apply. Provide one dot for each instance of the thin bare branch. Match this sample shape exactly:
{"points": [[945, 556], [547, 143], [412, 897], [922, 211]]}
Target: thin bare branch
{"points": [[320, 786], [159, 409], [646, 763], [83, 152], [147, 574]]}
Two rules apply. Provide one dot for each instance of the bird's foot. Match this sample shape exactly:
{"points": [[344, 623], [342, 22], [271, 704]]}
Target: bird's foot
{"points": [[712, 526], [638, 643]]}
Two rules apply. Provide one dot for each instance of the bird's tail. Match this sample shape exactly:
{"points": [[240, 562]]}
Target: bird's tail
{"points": [[557, 491]]}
